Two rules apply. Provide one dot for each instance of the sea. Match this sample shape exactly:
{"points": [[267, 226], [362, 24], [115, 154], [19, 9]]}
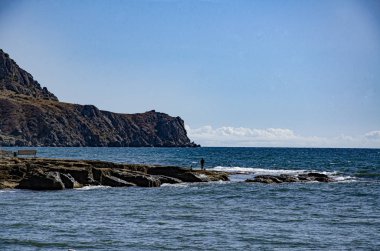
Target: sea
{"points": [[233, 215]]}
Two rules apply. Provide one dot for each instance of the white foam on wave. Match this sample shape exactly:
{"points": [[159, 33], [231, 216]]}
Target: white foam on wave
{"points": [[344, 179], [92, 187], [337, 177], [257, 171], [8, 191], [175, 185]]}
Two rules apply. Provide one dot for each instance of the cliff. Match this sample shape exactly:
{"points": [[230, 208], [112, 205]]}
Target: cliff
{"points": [[32, 116]]}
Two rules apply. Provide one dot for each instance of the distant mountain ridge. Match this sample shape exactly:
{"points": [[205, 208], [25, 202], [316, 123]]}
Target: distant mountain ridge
{"points": [[30, 115]]}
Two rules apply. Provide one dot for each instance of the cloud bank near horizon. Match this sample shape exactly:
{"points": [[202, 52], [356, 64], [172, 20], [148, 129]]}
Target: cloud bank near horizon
{"points": [[276, 137]]}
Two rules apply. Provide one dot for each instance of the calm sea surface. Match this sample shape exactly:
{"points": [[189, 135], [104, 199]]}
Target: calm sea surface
{"points": [[344, 215]]}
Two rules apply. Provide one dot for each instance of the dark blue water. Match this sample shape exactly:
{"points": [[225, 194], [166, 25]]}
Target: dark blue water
{"points": [[344, 215]]}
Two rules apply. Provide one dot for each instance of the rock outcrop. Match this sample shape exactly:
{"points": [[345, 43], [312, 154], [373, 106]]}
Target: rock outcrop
{"points": [[58, 174], [39, 180], [32, 116], [284, 178]]}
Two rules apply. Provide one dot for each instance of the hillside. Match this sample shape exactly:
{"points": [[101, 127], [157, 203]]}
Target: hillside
{"points": [[30, 115]]}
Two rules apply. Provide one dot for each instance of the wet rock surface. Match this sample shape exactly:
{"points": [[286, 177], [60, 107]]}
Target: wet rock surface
{"points": [[58, 174], [40, 180]]}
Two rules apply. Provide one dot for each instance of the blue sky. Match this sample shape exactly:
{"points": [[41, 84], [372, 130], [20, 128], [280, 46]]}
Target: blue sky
{"points": [[251, 73]]}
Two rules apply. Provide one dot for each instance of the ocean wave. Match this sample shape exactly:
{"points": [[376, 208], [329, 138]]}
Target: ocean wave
{"points": [[258, 171], [344, 178], [93, 187], [8, 191], [175, 185], [240, 173]]}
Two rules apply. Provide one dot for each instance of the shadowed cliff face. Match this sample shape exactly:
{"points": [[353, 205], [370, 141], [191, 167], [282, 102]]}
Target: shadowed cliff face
{"points": [[32, 116]]}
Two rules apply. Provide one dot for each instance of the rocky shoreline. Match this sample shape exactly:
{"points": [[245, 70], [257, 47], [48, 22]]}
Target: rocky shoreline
{"points": [[58, 174]]}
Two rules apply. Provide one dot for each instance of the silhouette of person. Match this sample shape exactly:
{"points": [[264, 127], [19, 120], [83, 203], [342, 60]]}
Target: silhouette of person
{"points": [[202, 164]]}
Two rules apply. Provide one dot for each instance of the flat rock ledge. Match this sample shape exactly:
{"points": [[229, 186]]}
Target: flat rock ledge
{"points": [[285, 178], [58, 174]]}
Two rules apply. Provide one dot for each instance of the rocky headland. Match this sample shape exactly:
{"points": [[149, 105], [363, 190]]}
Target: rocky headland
{"points": [[30, 115]]}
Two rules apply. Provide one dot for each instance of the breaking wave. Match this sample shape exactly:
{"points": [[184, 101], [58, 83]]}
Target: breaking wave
{"points": [[241, 173], [175, 185], [93, 187]]}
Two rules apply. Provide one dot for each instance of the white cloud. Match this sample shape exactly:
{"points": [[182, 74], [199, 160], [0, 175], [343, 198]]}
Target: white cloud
{"points": [[373, 135], [281, 137]]}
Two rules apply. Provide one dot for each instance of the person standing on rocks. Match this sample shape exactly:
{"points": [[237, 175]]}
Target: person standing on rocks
{"points": [[202, 164]]}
